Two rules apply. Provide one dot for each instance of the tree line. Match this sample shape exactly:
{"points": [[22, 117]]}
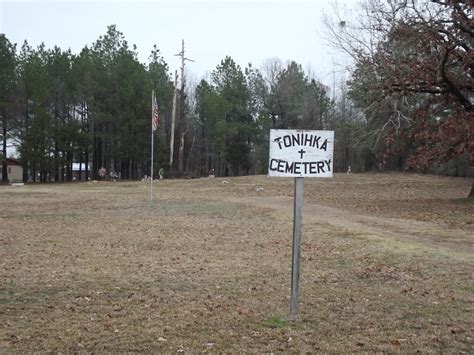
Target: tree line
{"points": [[94, 108], [408, 104], [90, 108]]}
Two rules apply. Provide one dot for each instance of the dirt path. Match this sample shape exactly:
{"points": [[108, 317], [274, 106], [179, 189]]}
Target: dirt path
{"points": [[429, 234]]}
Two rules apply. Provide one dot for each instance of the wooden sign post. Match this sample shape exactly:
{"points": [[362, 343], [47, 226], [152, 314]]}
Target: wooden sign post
{"points": [[296, 250], [295, 153]]}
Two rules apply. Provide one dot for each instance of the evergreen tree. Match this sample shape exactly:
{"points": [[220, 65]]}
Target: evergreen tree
{"points": [[7, 97]]}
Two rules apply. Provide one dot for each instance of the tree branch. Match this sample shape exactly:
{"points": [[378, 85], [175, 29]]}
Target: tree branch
{"points": [[454, 90]]}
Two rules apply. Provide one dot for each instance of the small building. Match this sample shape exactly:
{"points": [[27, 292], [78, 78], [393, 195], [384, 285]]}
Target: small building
{"points": [[79, 171], [14, 170]]}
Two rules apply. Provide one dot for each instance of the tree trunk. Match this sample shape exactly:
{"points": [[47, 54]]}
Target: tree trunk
{"points": [[80, 167], [69, 166], [173, 122], [203, 170], [181, 154], [56, 162], [23, 158], [471, 194], [56, 144], [96, 156], [190, 155], [86, 156], [105, 152], [48, 169], [4, 150]]}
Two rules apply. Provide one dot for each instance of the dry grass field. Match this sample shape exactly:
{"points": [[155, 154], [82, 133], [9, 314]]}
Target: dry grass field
{"points": [[387, 266]]}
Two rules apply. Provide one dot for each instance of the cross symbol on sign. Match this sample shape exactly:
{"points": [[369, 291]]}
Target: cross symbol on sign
{"points": [[301, 153]]}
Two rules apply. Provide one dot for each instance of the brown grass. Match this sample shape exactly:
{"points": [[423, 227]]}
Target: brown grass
{"points": [[206, 266]]}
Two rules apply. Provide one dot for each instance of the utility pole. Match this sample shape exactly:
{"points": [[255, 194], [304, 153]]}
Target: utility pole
{"points": [[183, 60], [173, 119], [183, 130]]}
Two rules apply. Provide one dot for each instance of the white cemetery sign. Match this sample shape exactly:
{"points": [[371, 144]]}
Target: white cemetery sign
{"points": [[298, 153]]}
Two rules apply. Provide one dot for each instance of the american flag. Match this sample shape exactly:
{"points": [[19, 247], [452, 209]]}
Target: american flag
{"points": [[155, 113]]}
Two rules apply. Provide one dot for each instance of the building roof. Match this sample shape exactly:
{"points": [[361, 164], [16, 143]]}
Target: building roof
{"points": [[11, 161]]}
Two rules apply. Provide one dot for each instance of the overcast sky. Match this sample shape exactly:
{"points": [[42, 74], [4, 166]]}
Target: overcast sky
{"points": [[248, 31]]}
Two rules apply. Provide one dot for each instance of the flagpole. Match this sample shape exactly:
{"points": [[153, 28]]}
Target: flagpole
{"points": [[151, 172]]}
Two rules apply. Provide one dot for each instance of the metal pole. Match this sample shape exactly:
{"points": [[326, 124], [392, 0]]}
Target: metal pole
{"points": [[151, 172], [295, 265]]}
